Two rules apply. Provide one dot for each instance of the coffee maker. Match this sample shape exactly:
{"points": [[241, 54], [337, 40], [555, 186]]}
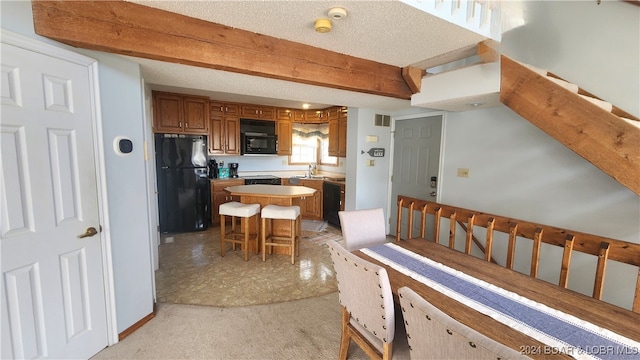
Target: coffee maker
{"points": [[233, 170], [213, 169]]}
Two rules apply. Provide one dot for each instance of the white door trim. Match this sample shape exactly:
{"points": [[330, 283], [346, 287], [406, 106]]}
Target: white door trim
{"points": [[392, 202], [34, 45]]}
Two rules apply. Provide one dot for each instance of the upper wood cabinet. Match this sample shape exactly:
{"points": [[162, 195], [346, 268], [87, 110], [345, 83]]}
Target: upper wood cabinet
{"points": [[177, 113], [284, 114], [284, 130], [338, 132], [333, 113], [257, 112], [224, 134], [315, 116], [342, 135], [298, 115]]}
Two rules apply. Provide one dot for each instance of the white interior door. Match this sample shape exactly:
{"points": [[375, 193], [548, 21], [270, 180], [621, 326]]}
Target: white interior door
{"points": [[53, 294], [416, 159]]}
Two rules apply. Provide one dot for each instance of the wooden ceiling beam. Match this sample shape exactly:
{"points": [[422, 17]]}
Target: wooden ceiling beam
{"points": [[413, 77], [599, 136], [131, 29]]}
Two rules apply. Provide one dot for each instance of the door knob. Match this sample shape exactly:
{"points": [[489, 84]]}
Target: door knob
{"points": [[433, 193], [90, 232]]}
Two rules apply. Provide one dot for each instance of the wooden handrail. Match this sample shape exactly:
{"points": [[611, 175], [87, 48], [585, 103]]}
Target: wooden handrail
{"points": [[601, 248]]}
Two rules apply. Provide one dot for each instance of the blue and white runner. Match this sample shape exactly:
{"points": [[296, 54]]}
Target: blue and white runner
{"points": [[561, 332]]}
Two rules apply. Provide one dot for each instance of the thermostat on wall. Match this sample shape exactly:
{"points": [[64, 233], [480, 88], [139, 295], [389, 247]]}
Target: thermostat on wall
{"points": [[122, 145]]}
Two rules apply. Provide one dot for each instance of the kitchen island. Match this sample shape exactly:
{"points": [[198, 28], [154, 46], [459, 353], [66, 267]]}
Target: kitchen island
{"points": [[271, 195]]}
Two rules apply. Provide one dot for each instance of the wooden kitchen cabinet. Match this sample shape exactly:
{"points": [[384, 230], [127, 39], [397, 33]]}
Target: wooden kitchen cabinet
{"points": [[315, 116], [338, 132], [284, 129], [220, 196], [224, 129], [334, 134], [298, 115], [284, 114], [257, 112], [333, 113], [178, 113], [310, 206], [342, 135]]}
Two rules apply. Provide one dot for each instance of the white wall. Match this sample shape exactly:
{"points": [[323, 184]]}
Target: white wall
{"points": [[122, 115], [594, 46], [366, 186], [517, 170], [121, 105]]}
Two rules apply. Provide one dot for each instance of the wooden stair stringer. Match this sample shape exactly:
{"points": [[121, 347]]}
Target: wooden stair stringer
{"points": [[601, 137]]}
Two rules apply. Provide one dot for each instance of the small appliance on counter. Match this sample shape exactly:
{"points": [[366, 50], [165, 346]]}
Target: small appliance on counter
{"points": [[213, 169], [223, 173], [233, 170]]}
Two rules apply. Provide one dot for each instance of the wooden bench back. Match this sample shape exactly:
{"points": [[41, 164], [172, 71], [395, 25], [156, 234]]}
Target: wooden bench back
{"points": [[601, 248]]}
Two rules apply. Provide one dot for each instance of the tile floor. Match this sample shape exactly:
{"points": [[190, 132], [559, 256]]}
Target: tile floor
{"points": [[192, 271]]}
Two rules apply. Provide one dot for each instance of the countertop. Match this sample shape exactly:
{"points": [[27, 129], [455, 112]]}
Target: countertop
{"points": [[270, 190], [322, 176]]}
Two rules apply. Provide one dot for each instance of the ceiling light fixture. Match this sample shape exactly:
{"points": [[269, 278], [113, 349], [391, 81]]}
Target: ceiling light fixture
{"points": [[337, 13], [323, 25]]}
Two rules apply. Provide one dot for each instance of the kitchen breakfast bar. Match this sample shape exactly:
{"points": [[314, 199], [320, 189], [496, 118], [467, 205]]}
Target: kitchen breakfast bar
{"points": [[271, 195]]}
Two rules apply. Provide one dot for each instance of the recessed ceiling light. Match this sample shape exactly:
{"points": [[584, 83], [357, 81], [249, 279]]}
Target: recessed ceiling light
{"points": [[305, 106], [475, 104]]}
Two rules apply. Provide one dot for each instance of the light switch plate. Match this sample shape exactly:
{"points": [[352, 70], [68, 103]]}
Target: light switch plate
{"points": [[463, 172]]}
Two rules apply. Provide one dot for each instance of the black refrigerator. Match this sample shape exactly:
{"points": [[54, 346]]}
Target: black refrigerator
{"points": [[184, 199]]}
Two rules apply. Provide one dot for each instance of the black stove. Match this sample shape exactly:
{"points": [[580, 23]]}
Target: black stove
{"points": [[262, 179]]}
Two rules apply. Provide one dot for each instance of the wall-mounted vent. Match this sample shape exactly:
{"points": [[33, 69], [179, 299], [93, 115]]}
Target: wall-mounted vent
{"points": [[382, 120]]}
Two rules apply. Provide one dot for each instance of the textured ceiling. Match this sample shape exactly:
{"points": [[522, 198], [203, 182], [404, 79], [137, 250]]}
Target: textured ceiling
{"points": [[386, 31]]}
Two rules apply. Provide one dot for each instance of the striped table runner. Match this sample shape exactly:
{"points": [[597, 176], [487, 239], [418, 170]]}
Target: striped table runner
{"points": [[561, 332]]}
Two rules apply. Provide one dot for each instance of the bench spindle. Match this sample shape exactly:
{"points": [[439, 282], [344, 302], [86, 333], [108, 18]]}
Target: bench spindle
{"points": [[436, 225], [601, 268], [535, 256], [467, 246], [566, 261], [489, 241], [511, 248], [452, 230]]}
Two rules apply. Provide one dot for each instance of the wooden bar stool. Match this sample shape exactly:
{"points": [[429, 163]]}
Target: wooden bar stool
{"points": [[292, 241], [236, 209]]}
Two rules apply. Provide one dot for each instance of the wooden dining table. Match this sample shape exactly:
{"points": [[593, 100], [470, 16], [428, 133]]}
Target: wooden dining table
{"points": [[617, 319]]}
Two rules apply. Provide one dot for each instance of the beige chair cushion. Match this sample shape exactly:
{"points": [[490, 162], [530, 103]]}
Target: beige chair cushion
{"points": [[235, 208], [280, 212], [432, 334], [365, 291], [363, 228]]}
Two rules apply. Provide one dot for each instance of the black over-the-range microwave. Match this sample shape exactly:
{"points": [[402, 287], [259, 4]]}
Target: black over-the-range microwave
{"points": [[258, 144]]}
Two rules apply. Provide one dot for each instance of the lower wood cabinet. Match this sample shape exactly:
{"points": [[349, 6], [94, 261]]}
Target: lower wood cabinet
{"points": [[219, 196], [310, 206]]}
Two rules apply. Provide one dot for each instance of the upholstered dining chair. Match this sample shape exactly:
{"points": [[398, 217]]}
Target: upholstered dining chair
{"points": [[366, 300], [432, 334], [363, 228]]}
